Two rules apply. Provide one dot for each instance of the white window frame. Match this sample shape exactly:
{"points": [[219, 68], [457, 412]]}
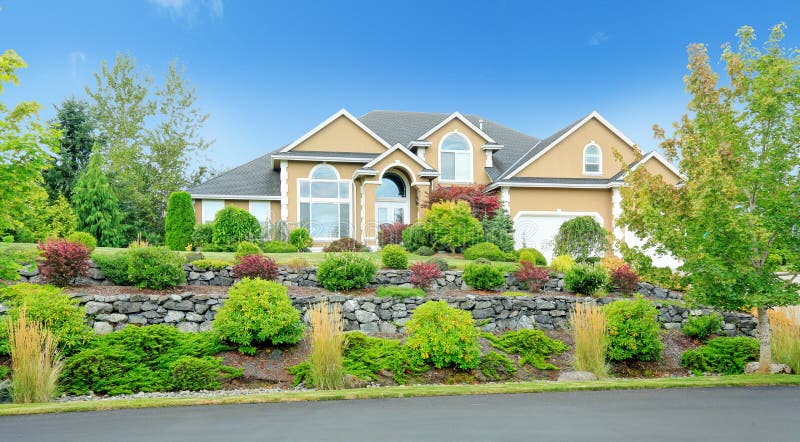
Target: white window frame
{"points": [[338, 201], [253, 204], [468, 154], [599, 159], [394, 202], [204, 212]]}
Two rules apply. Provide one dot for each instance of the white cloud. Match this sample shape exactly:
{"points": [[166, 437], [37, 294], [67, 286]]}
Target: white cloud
{"points": [[598, 38], [76, 58], [190, 9]]}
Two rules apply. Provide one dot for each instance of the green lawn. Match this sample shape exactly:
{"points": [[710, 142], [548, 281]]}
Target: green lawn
{"points": [[751, 380], [313, 258]]}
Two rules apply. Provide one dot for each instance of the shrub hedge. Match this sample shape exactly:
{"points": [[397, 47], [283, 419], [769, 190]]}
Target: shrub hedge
{"points": [[345, 271], [234, 225]]}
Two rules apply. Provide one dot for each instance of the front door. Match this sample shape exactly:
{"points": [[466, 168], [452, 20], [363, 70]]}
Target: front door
{"points": [[391, 212]]}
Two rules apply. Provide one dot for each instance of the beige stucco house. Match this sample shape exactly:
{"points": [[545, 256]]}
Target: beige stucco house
{"points": [[349, 175]]}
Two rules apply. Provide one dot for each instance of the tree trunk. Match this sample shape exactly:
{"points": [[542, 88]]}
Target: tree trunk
{"points": [[763, 334]]}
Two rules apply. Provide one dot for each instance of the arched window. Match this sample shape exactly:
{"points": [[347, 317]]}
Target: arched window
{"points": [[592, 159], [392, 186], [455, 158], [324, 202]]}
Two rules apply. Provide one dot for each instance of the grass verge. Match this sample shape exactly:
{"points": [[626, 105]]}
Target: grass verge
{"points": [[752, 380]]}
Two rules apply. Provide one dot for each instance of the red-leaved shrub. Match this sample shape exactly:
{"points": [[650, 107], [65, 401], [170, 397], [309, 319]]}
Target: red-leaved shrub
{"points": [[625, 279], [391, 233], [424, 273], [532, 276], [63, 261], [256, 266], [483, 205]]}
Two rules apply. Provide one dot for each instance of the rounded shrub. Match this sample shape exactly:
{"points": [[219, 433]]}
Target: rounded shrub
{"points": [[277, 247], [581, 237], [586, 279], [625, 279], [451, 225], [344, 245], [245, 248], [49, 306], [531, 276], [485, 250], [63, 261], [84, 238], [425, 251], [203, 235], [633, 330], [440, 262], [256, 266], [483, 276], [562, 264], [258, 312], [415, 236], [190, 373], [394, 256], [346, 271], [301, 239], [179, 222], [443, 336], [532, 256], [155, 268], [234, 225], [423, 274], [701, 327]]}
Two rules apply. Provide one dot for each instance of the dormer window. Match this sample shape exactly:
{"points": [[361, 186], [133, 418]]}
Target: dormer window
{"points": [[592, 160], [455, 158]]}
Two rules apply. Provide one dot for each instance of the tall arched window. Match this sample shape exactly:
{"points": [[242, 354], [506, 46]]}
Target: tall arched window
{"points": [[324, 202], [455, 158], [592, 160]]}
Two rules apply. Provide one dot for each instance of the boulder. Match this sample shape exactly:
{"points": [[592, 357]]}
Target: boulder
{"points": [[103, 328], [752, 367], [576, 376]]}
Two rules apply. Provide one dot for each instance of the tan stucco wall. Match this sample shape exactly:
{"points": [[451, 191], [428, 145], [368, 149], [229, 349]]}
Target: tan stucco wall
{"points": [[274, 208], [242, 204], [479, 175], [565, 160], [341, 135], [565, 200], [656, 168], [198, 211], [398, 159]]}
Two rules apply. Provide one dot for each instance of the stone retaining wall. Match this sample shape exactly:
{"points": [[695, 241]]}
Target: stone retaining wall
{"points": [[450, 280], [194, 312]]}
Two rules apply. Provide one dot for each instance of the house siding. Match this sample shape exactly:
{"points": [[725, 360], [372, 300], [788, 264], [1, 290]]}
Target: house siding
{"points": [[341, 135], [479, 175], [564, 200]]}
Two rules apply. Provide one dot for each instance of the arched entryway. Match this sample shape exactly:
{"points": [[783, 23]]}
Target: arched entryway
{"points": [[392, 199]]}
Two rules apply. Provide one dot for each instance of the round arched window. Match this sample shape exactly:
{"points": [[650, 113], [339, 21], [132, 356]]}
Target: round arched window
{"points": [[392, 186], [455, 158]]}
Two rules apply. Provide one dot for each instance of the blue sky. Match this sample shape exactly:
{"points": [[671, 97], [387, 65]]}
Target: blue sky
{"points": [[269, 71]]}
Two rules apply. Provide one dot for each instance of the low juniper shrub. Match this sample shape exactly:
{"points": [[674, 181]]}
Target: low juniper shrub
{"points": [[701, 327], [722, 355], [425, 251], [399, 292]]}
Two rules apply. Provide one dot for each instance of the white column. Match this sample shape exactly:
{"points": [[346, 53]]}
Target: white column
{"points": [[421, 153], [616, 212], [489, 162], [505, 199], [284, 191], [363, 214]]}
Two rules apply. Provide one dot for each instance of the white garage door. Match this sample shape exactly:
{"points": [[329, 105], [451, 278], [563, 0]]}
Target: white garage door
{"points": [[537, 230]]}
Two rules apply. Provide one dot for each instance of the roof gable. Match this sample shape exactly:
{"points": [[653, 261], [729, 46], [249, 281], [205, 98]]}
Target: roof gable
{"points": [[458, 116], [330, 122]]}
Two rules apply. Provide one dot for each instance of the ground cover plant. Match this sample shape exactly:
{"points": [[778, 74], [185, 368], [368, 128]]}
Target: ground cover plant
{"points": [[493, 365], [399, 292], [532, 346], [721, 355], [701, 327]]}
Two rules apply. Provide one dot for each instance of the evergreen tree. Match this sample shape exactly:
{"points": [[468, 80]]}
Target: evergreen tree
{"points": [[77, 140], [180, 221], [96, 205]]}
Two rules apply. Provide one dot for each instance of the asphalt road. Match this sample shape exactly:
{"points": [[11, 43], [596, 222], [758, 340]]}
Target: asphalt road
{"points": [[726, 414]]}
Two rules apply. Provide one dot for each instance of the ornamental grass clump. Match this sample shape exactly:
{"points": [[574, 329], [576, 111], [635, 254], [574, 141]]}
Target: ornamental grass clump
{"points": [[35, 361], [326, 370], [588, 326], [785, 325]]}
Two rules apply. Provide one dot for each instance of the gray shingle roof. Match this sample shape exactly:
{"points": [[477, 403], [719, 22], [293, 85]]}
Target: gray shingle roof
{"points": [[343, 155], [544, 180], [256, 178]]}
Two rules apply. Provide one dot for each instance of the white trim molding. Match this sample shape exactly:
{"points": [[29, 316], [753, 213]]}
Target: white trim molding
{"points": [[655, 155], [407, 152], [616, 212], [505, 198], [560, 212], [332, 159], [599, 159], [457, 115], [331, 119], [284, 191], [200, 196]]}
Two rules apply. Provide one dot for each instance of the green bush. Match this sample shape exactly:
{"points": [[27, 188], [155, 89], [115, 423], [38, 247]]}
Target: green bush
{"points": [[190, 373], [492, 363], [483, 276], [721, 355], [399, 292], [586, 279], [394, 256], [499, 230], [258, 312], [345, 271], [451, 225], [278, 247], [344, 245], [701, 327], [245, 248], [582, 238], [234, 225], [633, 330], [211, 264], [83, 238], [533, 347], [415, 236], [49, 306], [440, 262], [562, 264], [485, 250], [425, 251], [155, 268], [114, 267], [179, 222], [5, 373], [135, 359], [203, 235], [228, 248], [532, 256], [443, 336], [301, 239]]}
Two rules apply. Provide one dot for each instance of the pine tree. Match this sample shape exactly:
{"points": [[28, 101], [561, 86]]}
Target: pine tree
{"points": [[180, 221], [96, 205], [77, 140]]}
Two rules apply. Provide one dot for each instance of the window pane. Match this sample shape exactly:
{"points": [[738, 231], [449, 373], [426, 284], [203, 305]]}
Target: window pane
{"points": [[324, 189], [260, 209], [448, 166], [455, 142], [305, 215], [304, 189], [325, 173], [325, 219], [344, 220], [398, 215], [383, 215], [462, 167], [210, 209], [592, 167], [344, 190], [392, 186]]}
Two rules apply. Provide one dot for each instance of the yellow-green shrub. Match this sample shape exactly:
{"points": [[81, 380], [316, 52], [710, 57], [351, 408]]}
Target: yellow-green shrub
{"points": [[443, 336]]}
